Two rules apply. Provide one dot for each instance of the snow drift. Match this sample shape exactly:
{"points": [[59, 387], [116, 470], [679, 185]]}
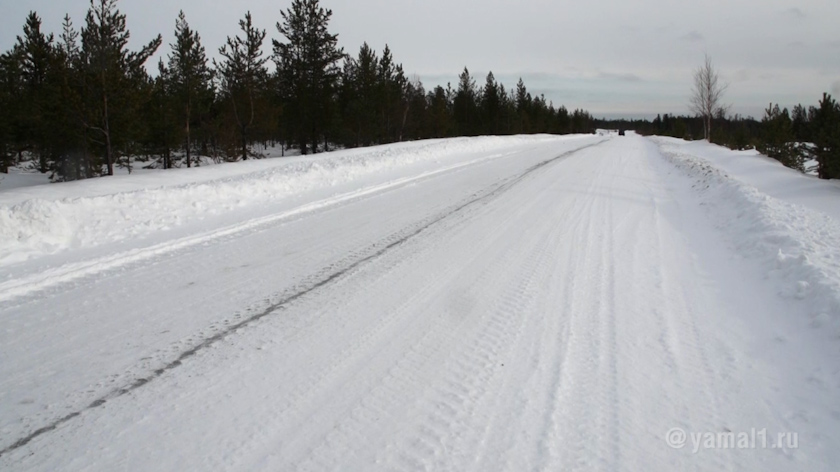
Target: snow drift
{"points": [[797, 245], [50, 218]]}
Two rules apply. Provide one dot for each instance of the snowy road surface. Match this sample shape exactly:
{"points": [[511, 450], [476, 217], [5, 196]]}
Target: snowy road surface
{"points": [[553, 304]]}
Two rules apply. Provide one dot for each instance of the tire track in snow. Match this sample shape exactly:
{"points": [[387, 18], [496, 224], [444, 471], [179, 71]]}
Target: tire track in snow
{"points": [[386, 384], [448, 415], [330, 275], [542, 336], [525, 399], [468, 341]]}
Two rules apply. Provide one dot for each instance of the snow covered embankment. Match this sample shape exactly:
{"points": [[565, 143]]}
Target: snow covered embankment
{"points": [[52, 218], [798, 247]]}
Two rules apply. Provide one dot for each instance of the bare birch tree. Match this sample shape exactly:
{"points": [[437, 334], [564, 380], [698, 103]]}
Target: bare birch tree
{"points": [[706, 95]]}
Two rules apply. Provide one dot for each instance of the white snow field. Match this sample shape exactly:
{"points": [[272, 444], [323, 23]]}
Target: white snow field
{"points": [[514, 304]]}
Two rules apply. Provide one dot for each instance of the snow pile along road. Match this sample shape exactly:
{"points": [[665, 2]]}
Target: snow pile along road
{"points": [[797, 243], [764, 173], [50, 218]]}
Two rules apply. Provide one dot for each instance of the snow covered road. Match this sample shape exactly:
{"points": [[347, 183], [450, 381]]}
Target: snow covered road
{"points": [[561, 304]]}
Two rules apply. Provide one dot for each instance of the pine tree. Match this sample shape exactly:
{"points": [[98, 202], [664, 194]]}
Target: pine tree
{"points": [[114, 74], [70, 156], [799, 117], [506, 111], [11, 104], [466, 105], [243, 77], [491, 105], [359, 96], [778, 138], [392, 97], [308, 63], [164, 125], [440, 105], [539, 115], [564, 121], [826, 135], [191, 77], [35, 52], [415, 111], [581, 121], [523, 107]]}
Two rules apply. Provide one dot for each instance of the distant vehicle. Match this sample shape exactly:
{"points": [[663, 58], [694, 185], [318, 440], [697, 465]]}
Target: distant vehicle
{"points": [[621, 132]]}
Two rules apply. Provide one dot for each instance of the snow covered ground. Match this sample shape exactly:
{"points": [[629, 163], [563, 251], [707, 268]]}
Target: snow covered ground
{"points": [[523, 303], [17, 178]]}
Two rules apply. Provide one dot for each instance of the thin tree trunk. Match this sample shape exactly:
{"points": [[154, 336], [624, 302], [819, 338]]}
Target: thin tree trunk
{"points": [[86, 155], [108, 152], [405, 116], [188, 137]]}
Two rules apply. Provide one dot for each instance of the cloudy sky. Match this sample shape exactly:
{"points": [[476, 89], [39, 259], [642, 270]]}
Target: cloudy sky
{"points": [[613, 58]]}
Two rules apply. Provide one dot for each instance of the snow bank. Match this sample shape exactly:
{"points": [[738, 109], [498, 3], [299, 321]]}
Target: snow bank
{"points": [[797, 245], [764, 173], [49, 218]]}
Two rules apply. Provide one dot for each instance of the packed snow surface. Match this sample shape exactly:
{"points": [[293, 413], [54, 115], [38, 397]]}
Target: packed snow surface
{"points": [[524, 303]]}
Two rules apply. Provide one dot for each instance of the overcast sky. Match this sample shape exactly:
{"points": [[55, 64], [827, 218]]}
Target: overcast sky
{"points": [[613, 58]]}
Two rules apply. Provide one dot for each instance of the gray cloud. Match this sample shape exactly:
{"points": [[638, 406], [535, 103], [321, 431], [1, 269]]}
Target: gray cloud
{"points": [[627, 77], [835, 88], [795, 13], [742, 75], [693, 37]]}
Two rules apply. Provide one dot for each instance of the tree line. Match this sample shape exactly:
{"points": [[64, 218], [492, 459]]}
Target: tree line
{"points": [[82, 103], [792, 137]]}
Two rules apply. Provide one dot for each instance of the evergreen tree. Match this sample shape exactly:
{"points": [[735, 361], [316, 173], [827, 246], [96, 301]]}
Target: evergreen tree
{"points": [[191, 77], [243, 77], [506, 111], [415, 111], [539, 115], [466, 105], [10, 102], [581, 122], [35, 52], [77, 161], [826, 136], [114, 75], [523, 107], [564, 120], [309, 71], [401, 102], [778, 138], [392, 97], [385, 78], [162, 118], [491, 105], [359, 96], [440, 105], [799, 118]]}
